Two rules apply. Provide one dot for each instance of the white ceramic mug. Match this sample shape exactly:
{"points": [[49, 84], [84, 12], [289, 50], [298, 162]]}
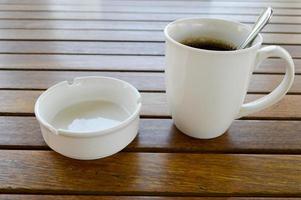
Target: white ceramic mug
{"points": [[206, 89]]}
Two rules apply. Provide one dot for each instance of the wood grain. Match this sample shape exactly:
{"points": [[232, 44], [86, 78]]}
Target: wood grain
{"points": [[111, 63], [101, 62], [150, 9], [259, 83], [117, 25], [204, 3], [160, 135], [44, 79], [44, 42], [85, 25], [135, 16], [155, 105], [94, 48], [18, 102], [108, 35], [95, 197], [192, 3], [244, 136], [126, 173], [21, 102], [98, 48], [229, 4]]}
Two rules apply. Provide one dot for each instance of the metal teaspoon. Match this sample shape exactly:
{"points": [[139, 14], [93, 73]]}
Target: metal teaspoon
{"points": [[262, 20]]}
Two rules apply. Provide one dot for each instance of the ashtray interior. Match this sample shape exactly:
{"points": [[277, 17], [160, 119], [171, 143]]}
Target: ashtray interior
{"points": [[88, 104], [89, 116]]}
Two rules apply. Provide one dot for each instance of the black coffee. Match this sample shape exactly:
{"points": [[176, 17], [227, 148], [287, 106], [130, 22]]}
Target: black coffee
{"points": [[208, 44]]}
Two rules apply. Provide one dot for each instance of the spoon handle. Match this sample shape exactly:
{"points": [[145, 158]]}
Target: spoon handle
{"points": [[258, 26]]}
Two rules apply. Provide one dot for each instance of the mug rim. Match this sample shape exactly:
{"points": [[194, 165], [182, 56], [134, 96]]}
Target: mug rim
{"points": [[170, 39]]}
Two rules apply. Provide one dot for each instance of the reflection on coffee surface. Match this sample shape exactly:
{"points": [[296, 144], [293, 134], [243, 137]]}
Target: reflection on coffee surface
{"points": [[209, 44]]}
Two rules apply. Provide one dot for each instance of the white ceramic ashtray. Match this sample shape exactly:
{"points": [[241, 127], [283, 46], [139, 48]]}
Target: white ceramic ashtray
{"points": [[90, 118]]}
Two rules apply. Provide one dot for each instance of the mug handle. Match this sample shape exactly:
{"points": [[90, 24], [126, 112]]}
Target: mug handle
{"points": [[279, 92]]}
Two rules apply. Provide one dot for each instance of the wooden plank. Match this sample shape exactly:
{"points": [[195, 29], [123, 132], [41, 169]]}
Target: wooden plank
{"points": [[268, 82], [275, 65], [21, 102], [92, 197], [95, 197], [108, 35], [44, 79], [87, 24], [125, 173], [160, 135], [243, 136], [259, 83], [20, 131], [82, 35], [288, 1], [105, 48], [143, 9], [97, 48], [117, 25], [160, 3], [95, 62], [254, 1], [202, 3], [288, 108], [21, 15], [110, 62], [18, 101]]}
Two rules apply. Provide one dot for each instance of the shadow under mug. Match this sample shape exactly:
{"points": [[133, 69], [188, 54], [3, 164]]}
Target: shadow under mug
{"points": [[206, 89]]}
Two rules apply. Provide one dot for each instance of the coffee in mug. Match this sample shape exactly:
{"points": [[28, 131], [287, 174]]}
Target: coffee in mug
{"points": [[209, 44]]}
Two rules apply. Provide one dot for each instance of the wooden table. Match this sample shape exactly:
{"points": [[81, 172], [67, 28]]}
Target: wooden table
{"points": [[47, 41]]}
